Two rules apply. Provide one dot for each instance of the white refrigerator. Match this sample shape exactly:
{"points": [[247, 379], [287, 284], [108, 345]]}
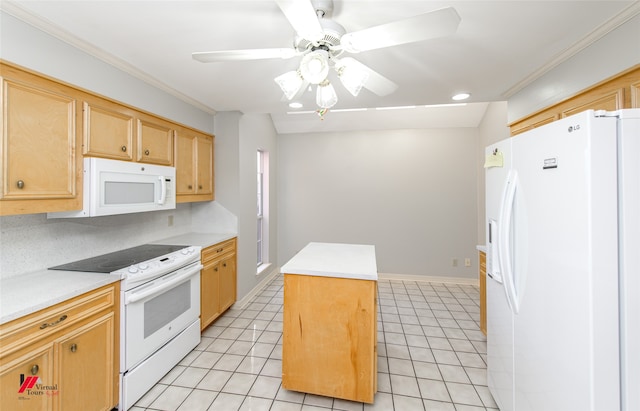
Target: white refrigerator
{"points": [[563, 265]]}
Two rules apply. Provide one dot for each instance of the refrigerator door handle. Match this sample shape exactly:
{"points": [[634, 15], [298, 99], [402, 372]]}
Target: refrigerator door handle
{"points": [[504, 240], [493, 266]]}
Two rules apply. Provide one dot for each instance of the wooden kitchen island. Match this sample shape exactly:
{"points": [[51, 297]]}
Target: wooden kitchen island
{"points": [[330, 322]]}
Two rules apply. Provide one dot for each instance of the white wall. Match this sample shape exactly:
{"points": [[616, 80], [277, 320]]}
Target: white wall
{"points": [[411, 193], [238, 138]]}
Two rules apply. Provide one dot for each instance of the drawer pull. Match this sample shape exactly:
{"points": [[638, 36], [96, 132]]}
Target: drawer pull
{"points": [[20, 184], [35, 369], [74, 347], [219, 250], [45, 325]]}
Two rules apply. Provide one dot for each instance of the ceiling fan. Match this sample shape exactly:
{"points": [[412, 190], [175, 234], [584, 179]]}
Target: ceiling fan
{"points": [[321, 42]]}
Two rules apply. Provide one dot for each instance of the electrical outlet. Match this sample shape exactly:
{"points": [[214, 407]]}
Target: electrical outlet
{"points": [[454, 262], [170, 220], [467, 262]]}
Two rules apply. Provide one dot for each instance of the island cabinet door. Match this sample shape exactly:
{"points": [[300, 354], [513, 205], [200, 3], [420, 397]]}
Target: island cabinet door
{"points": [[329, 337]]}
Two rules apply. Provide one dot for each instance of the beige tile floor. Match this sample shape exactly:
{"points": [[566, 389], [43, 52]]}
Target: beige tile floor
{"points": [[432, 356]]}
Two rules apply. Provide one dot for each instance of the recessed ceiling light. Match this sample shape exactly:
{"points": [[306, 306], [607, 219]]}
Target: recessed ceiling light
{"points": [[461, 96], [295, 104]]}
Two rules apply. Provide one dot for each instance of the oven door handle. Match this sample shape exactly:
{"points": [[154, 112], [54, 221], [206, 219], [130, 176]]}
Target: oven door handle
{"points": [[152, 291]]}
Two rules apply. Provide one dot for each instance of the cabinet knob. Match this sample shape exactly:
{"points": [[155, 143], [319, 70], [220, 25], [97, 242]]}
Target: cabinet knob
{"points": [[199, 187], [123, 148], [35, 369], [146, 152], [224, 265], [190, 186], [215, 269], [74, 347], [20, 184]]}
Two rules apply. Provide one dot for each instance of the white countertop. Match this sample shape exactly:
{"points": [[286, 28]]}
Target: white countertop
{"points": [[354, 261], [482, 248], [201, 239], [25, 294]]}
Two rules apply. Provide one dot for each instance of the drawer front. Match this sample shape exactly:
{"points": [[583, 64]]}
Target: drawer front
{"points": [[219, 250], [46, 323]]}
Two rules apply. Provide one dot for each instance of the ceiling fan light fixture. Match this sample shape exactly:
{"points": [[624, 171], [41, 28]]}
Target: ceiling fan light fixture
{"points": [[352, 77], [326, 96], [314, 66], [290, 83]]}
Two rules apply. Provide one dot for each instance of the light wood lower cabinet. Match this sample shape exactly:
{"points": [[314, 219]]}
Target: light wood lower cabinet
{"points": [[217, 281], [64, 357], [330, 337], [483, 291]]}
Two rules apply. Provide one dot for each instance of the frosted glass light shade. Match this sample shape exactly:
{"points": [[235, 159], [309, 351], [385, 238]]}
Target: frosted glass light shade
{"points": [[314, 66], [290, 83], [326, 95], [352, 77]]}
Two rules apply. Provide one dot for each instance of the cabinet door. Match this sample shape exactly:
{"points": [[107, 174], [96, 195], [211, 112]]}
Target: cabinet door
{"points": [[155, 142], [185, 164], [204, 166], [86, 366], [26, 382], [108, 130], [39, 158], [209, 293], [227, 282]]}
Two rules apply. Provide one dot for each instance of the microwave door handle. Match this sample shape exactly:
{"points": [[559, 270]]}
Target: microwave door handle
{"points": [[163, 190]]}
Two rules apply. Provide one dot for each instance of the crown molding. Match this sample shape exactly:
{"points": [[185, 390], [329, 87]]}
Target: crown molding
{"points": [[13, 8], [601, 31]]}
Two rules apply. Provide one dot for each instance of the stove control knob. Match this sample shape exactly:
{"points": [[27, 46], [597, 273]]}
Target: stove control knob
{"points": [[143, 266], [133, 270], [186, 251]]}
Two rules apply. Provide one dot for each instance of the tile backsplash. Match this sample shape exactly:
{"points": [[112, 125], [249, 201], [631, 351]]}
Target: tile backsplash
{"points": [[32, 242]]}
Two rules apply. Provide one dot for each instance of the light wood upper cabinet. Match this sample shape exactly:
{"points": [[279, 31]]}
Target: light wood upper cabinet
{"points": [[155, 141], [41, 167], [194, 166], [618, 92], [108, 130]]}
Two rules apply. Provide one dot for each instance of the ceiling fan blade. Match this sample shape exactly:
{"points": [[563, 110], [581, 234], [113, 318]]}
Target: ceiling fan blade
{"points": [[302, 17], [241, 55], [438, 23], [375, 82]]}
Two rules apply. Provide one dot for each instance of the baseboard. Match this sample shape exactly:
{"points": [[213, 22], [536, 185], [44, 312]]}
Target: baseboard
{"points": [[244, 301], [428, 279]]}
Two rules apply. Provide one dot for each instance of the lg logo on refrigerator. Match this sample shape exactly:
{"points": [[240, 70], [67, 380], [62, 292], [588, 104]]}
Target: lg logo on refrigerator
{"points": [[574, 128]]}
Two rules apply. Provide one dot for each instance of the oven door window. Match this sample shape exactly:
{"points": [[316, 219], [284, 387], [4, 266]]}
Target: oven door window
{"points": [[152, 321], [166, 307]]}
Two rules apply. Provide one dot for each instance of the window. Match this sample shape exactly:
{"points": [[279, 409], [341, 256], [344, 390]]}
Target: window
{"points": [[262, 210]]}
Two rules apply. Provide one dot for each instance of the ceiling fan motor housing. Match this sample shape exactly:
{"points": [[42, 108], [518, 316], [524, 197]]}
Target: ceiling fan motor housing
{"points": [[333, 32]]}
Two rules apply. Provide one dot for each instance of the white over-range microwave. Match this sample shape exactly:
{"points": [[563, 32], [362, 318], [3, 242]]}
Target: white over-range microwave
{"points": [[121, 187]]}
